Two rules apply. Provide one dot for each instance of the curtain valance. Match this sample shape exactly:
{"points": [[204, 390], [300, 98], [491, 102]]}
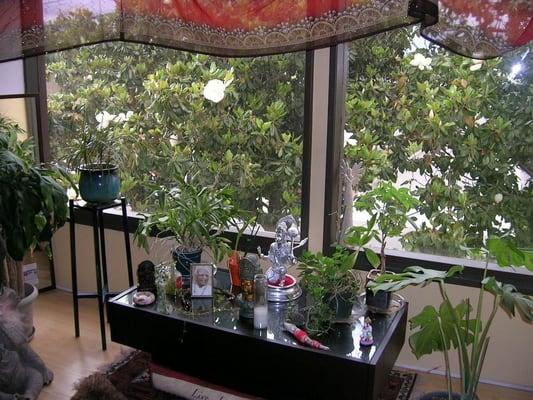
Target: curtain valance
{"points": [[475, 28]]}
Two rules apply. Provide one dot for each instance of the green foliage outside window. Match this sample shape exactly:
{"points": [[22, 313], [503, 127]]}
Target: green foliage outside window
{"points": [[251, 140], [463, 125]]}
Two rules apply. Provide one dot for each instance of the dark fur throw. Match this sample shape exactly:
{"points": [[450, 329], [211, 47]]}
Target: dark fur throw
{"points": [[96, 387]]}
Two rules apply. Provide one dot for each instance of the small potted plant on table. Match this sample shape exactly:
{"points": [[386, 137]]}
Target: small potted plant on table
{"points": [[194, 216], [390, 209], [331, 282], [332, 286], [456, 325]]}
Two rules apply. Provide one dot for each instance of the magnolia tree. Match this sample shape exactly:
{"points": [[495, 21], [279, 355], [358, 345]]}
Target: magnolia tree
{"points": [[236, 122], [461, 128], [456, 131]]}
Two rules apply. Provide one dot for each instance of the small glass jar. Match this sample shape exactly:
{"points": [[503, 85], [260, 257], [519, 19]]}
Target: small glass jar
{"points": [[260, 301]]}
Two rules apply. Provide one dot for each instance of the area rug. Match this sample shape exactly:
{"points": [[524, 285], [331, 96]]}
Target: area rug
{"points": [[129, 378]]}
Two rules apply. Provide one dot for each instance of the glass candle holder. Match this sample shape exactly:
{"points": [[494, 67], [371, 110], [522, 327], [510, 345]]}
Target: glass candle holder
{"points": [[260, 301]]}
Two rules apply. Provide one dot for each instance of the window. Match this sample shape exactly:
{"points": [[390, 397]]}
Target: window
{"points": [[455, 132], [236, 122]]}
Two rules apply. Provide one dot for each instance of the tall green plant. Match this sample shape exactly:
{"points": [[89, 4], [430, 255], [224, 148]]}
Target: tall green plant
{"points": [[391, 208], [250, 140], [456, 129], [194, 215], [457, 326], [32, 206]]}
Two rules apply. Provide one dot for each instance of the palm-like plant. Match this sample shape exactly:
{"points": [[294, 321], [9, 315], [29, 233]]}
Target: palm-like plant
{"points": [[195, 216]]}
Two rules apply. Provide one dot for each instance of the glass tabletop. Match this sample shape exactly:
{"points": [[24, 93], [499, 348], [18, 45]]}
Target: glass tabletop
{"points": [[221, 312]]}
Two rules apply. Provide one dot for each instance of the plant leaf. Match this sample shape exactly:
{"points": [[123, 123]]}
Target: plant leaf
{"points": [[372, 257], [507, 254], [511, 298], [413, 275]]}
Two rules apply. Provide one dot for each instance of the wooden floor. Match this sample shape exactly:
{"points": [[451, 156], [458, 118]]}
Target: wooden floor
{"points": [[73, 358]]}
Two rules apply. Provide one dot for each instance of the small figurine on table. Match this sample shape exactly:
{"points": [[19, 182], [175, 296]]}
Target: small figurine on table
{"points": [[146, 277], [248, 268], [366, 335], [146, 288]]}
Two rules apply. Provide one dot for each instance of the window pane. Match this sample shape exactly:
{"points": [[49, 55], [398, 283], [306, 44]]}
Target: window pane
{"points": [[456, 132], [236, 122]]}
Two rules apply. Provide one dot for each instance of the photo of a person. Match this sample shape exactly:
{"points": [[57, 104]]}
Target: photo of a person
{"points": [[202, 280]]}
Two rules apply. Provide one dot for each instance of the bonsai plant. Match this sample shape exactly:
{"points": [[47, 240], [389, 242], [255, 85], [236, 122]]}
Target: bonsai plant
{"points": [[331, 282], [332, 285], [456, 326], [94, 154], [32, 207], [194, 216], [390, 207]]}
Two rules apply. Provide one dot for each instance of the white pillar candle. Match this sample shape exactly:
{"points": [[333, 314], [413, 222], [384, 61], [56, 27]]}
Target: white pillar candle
{"points": [[260, 317]]}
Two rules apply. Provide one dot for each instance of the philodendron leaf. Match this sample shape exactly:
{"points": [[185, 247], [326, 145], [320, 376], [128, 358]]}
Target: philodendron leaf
{"points": [[511, 298], [449, 322], [410, 276], [426, 326], [428, 337], [508, 255]]}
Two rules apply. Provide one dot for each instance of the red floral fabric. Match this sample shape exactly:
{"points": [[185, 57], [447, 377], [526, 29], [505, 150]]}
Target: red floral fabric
{"points": [[475, 28]]}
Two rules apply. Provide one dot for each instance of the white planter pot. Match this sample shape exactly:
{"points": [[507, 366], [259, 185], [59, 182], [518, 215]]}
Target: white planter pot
{"points": [[25, 307]]}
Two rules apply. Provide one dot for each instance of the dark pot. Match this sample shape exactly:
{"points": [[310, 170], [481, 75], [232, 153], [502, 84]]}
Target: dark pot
{"points": [[380, 301], [439, 396], [342, 305], [183, 262], [99, 183]]}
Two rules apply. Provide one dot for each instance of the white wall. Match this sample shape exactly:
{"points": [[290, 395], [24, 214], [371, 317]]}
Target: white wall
{"points": [[11, 77]]}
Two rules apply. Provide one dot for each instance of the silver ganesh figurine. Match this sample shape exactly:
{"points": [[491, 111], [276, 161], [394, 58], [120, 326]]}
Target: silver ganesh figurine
{"points": [[281, 252]]}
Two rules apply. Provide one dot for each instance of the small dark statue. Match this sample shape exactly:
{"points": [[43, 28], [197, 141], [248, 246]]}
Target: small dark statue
{"points": [[248, 268], [22, 372], [146, 277]]}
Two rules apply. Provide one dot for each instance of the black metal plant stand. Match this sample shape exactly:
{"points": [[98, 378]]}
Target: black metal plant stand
{"points": [[99, 256]]}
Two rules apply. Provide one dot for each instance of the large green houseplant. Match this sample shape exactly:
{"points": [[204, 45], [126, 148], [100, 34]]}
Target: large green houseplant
{"points": [[194, 216], [32, 206], [456, 325]]}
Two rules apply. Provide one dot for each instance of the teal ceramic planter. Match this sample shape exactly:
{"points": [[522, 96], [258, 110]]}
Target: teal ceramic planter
{"points": [[99, 183]]}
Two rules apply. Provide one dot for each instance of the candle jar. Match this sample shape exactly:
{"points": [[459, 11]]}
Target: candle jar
{"points": [[260, 301]]}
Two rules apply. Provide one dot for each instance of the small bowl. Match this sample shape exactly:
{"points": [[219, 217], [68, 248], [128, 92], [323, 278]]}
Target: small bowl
{"points": [[143, 298]]}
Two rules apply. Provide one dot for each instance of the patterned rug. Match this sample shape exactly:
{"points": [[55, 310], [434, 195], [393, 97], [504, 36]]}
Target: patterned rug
{"points": [[129, 378]]}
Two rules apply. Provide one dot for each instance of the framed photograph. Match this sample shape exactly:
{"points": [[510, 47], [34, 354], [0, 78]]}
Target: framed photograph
{"points": [[202, 280]]}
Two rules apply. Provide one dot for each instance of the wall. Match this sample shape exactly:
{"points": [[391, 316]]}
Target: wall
{"points": [[11, 77], [15, 110]]}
